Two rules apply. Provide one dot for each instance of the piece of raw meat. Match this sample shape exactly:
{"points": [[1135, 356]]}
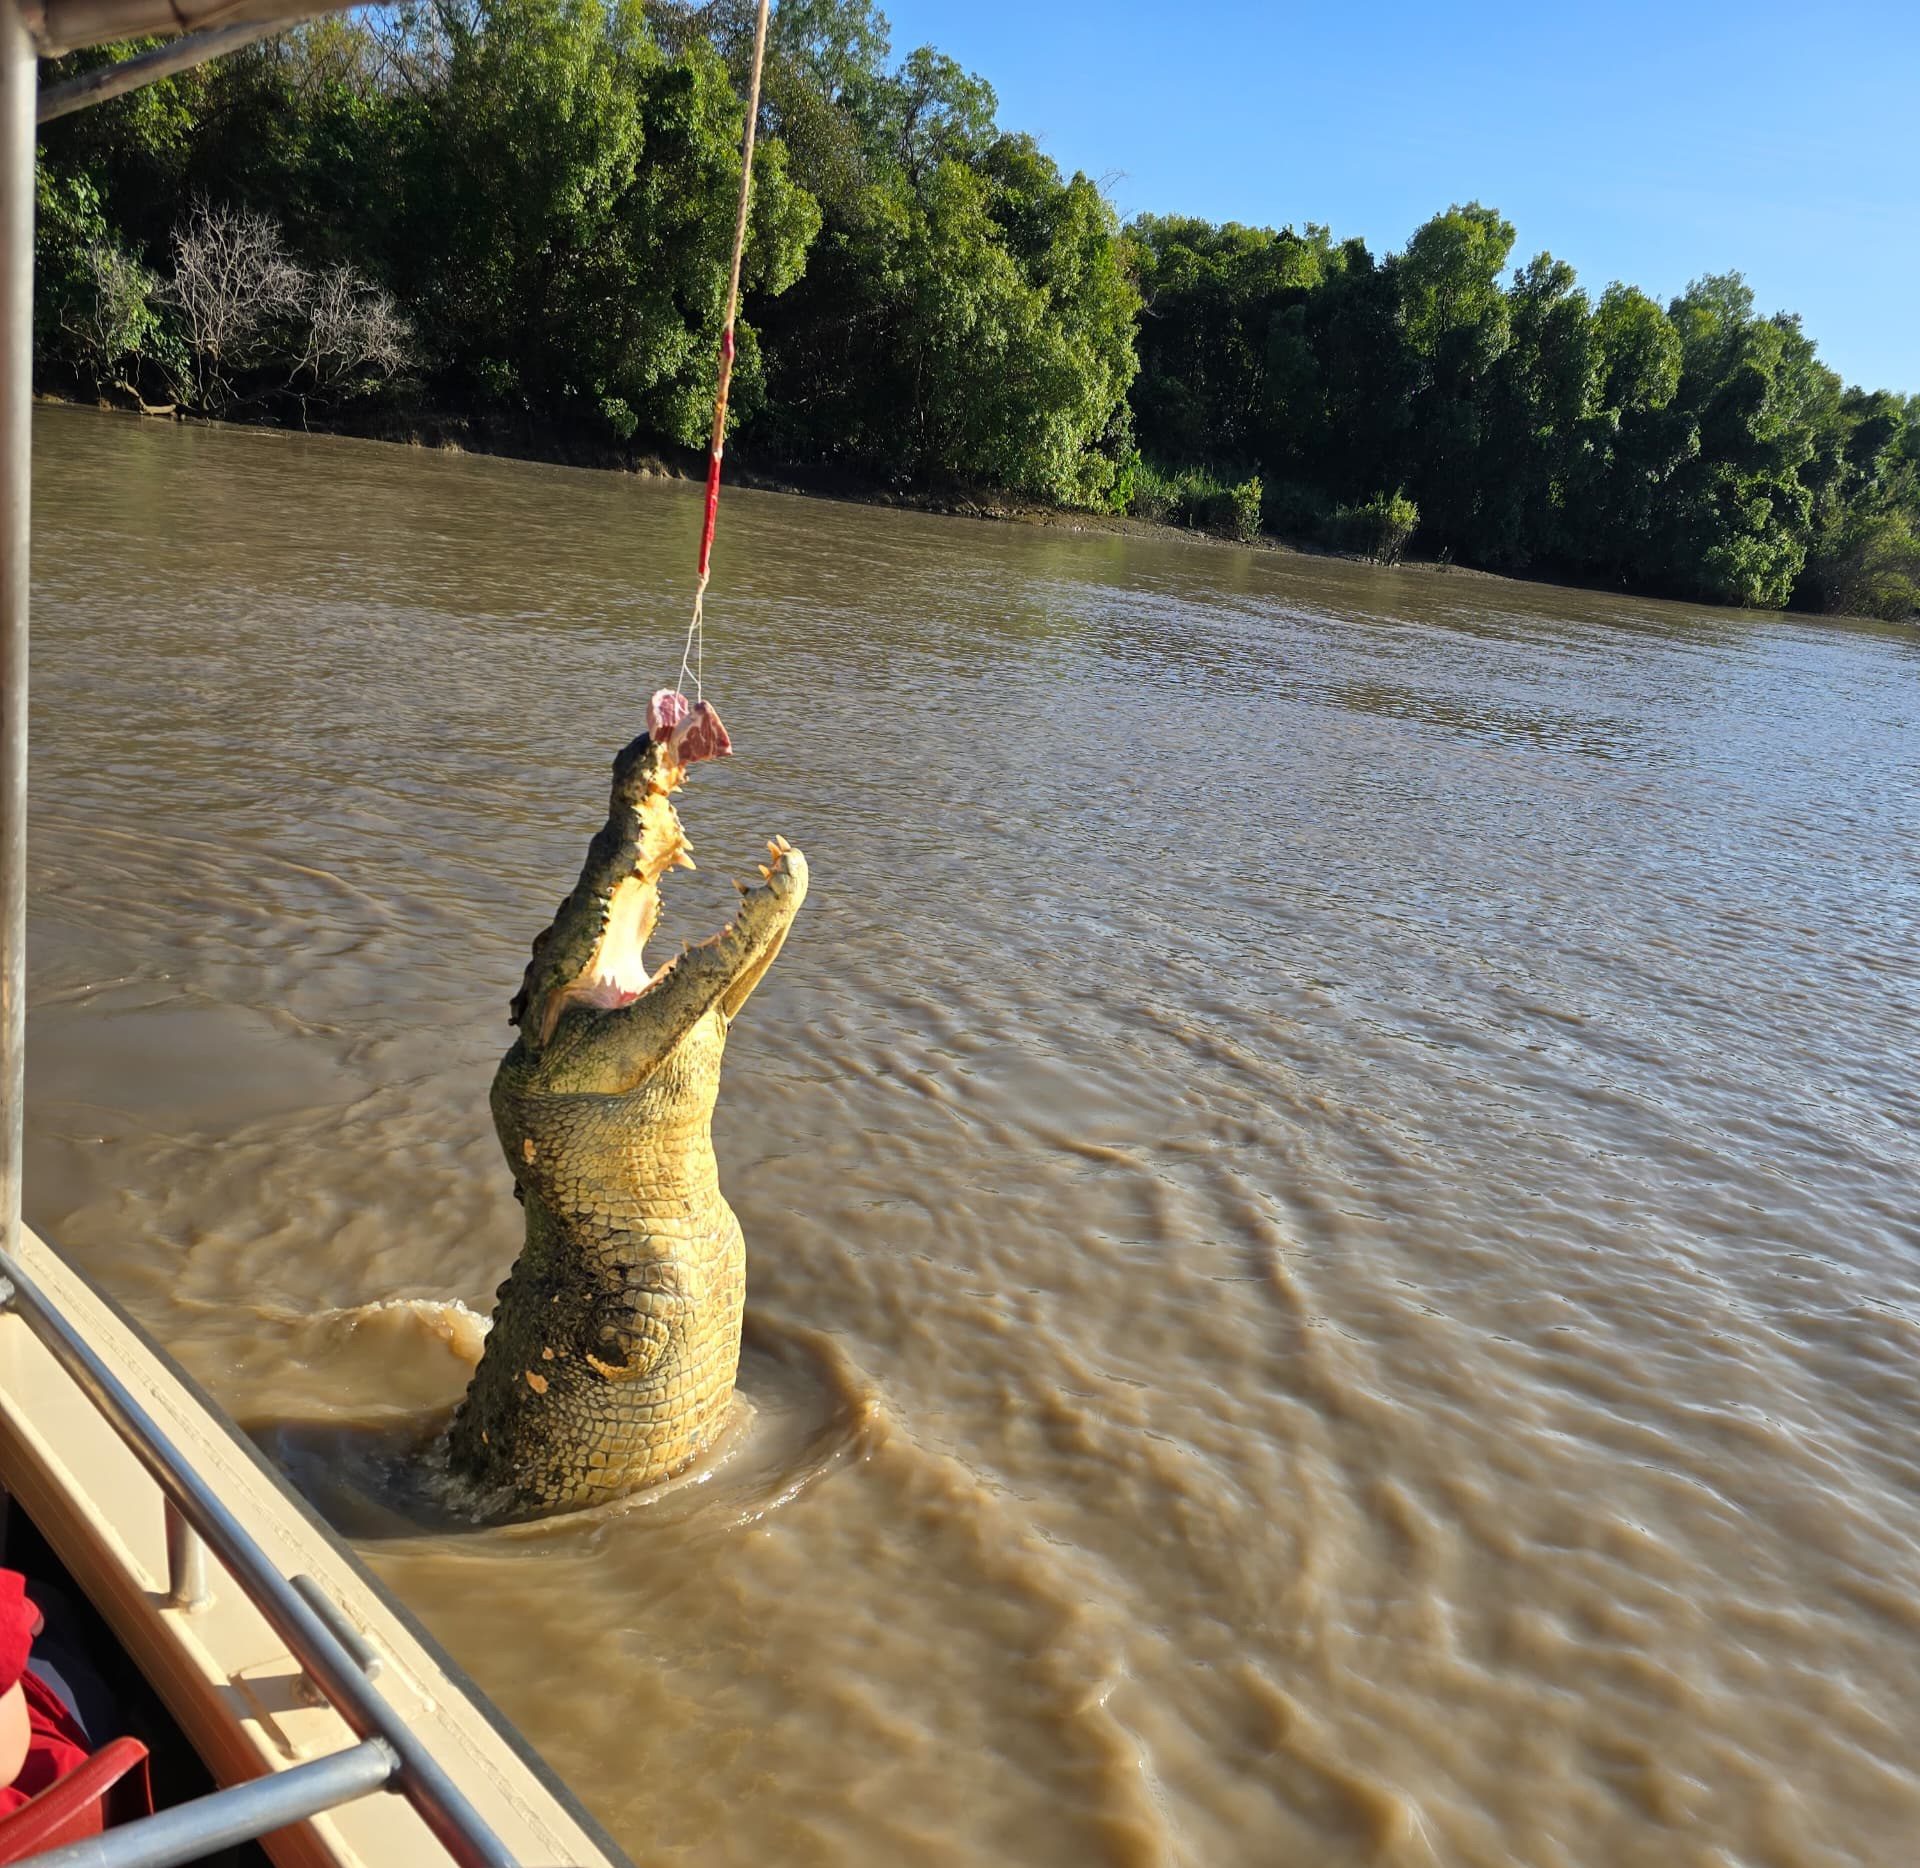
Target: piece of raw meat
{"points": [[691, 729]]}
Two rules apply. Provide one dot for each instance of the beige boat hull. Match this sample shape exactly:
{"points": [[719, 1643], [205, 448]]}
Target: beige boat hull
{"points": [[225, 1676]]}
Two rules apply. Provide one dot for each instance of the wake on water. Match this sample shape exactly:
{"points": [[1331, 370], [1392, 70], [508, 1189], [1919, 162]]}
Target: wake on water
{"points": [[381, 1473]]}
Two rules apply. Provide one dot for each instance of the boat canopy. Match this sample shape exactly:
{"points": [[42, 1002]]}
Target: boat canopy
{"points": [[59, 26]]}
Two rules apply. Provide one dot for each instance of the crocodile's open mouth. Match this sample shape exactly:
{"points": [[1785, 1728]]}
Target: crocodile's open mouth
{"points": [[616, 973]]}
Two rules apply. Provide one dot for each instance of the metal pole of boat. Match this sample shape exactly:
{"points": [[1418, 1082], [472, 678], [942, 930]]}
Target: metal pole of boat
{"points": [[19, 78], [189, 1832], [366, 1655], [187, 1588], [161, 61]]}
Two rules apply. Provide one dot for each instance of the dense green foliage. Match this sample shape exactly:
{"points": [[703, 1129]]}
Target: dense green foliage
{"points": [[515, 214], [1378, 528], [1196, 497], [1700, 449]]}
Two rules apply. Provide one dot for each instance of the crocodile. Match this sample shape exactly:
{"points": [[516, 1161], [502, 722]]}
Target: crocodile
{"points": [[615, 1342]]}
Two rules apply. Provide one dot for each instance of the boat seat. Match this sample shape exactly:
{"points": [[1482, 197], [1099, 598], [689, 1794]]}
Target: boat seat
{"points": [[110, 1787]]}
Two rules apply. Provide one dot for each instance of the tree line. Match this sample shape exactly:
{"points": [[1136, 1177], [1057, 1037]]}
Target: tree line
{"points": [[515, 214]]}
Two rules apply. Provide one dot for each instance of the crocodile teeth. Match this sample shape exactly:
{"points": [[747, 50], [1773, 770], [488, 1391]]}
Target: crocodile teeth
{"points": [[786, 848], [766, 874]]}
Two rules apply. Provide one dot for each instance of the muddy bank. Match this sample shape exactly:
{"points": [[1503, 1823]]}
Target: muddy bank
{"points": [[462, 435]]}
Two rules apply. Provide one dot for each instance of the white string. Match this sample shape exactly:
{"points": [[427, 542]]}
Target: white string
{"points": [[695, 634]]}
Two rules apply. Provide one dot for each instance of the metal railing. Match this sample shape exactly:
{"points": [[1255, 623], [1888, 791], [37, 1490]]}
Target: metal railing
{"points": [[334, 1655], [242, 1814]]}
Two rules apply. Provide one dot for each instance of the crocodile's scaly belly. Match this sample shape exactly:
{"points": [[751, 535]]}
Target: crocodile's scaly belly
{"points": [[572, 1423], [614, 1346]]}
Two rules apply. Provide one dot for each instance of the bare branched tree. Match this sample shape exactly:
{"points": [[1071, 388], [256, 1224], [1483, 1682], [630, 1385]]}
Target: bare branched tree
{"points": [[353, 329], [250, 307], [237, 288]]}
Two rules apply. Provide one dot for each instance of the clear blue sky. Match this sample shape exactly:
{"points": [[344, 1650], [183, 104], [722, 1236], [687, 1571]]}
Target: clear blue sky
{"points": [[1650, 143]]}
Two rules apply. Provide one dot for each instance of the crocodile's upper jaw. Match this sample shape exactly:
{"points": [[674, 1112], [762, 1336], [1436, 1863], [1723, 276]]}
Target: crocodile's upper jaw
{"points": [[624, 908]]}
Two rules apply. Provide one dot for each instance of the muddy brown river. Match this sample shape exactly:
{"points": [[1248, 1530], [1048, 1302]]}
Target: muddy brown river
{"points": [[1329, 1171]]}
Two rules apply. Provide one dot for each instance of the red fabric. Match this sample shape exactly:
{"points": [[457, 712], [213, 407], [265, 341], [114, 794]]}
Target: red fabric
{"points": [[712, 513], [18, 1619], [57, 1745], [713, 455]]}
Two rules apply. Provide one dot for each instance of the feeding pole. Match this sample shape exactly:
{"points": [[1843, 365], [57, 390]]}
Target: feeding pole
{"points": [[18, 84]]}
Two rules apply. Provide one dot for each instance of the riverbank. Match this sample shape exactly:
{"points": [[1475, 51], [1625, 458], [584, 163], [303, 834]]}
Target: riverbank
{"points": [[550, 447], [944, 313]]}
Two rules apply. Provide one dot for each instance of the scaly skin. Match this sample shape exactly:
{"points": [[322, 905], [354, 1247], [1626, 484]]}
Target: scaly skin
{"points": [[611, 1360]]}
